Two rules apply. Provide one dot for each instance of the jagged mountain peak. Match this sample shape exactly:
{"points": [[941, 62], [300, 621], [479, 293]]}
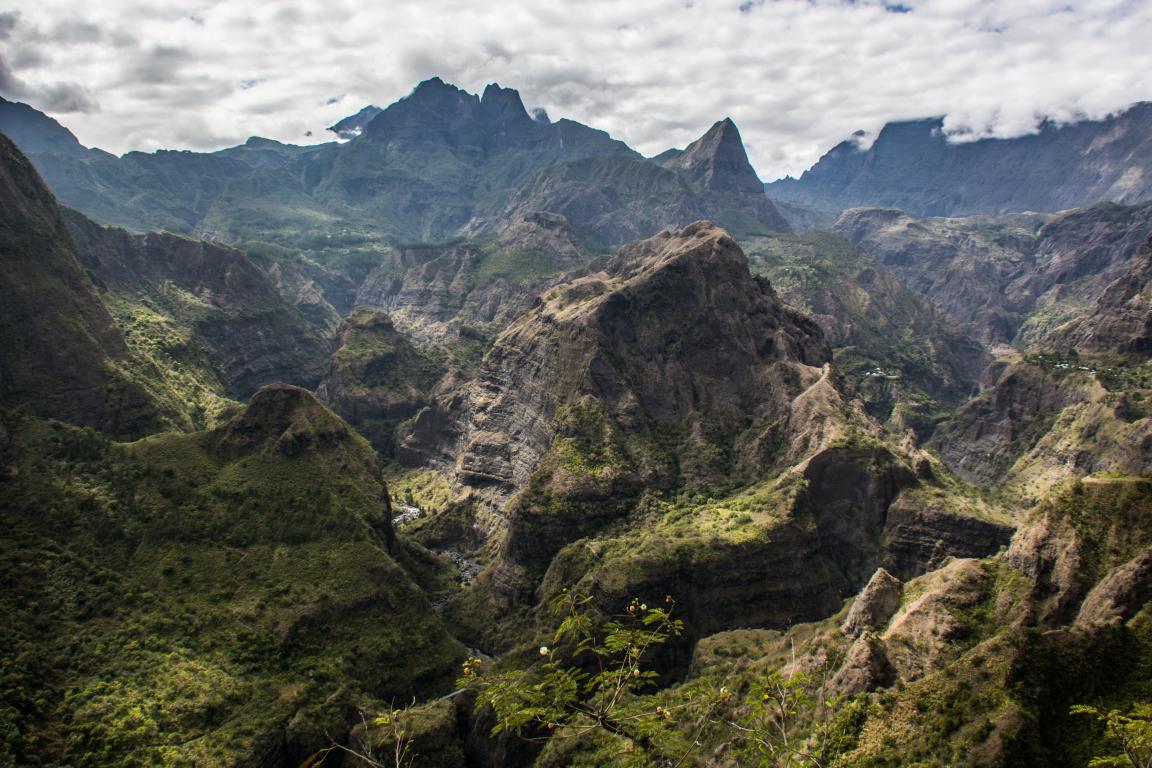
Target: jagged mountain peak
{"points": [[352, 126], [717, 161], [435, 108], [433, 105], [671, 315], [494, 92], [503, 105]]}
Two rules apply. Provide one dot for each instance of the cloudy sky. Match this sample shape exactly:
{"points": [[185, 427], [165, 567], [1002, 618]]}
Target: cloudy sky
{"points": [[796, 75]]}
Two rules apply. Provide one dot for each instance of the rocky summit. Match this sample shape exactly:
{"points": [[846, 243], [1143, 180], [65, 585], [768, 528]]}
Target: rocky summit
{"points": [[474, 437]]}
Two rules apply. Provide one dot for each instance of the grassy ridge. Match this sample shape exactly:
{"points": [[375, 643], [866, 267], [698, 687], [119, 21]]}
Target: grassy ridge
{"points": [[170, 604]]}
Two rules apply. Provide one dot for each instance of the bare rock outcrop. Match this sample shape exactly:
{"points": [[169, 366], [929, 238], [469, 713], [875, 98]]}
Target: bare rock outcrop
{"points": [[1119, 595], [875, 604], [1121, 320], [866, 667]]}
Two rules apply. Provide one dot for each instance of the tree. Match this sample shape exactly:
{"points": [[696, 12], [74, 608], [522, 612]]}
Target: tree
{"points": [[393, 735], [1129, 736], [780, 728], [589, 676]]}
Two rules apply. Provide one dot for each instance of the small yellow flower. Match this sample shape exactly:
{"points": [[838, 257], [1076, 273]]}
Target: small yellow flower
{"points": [[543, 650]]}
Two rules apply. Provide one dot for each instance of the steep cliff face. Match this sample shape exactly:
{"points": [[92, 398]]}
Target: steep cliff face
{"points": [[779, 552], [668, 426], [716, 161], [962, 265], [1073, 584], [1009, 641], [61, 355], [478, 286], [1048, 419], [652, 344], [1006, 279], [914, 166], [251, 336], [1121, 320], [1077, 255]]}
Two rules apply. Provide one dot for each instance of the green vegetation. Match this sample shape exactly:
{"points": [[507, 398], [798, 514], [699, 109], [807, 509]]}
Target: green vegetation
{"points": [[906, 362], [1129, 735], [1115, 374], [559, 699], [515, 265], [592, 697], [172, 364], [425, 488], [173, 602]]}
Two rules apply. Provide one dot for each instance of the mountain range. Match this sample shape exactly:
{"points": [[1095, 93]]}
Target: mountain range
{"points": [[918, 167], [289, 433]]}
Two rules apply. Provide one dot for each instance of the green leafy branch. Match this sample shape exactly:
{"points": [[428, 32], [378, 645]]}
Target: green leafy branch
{"points": [[588, 676], [1130, 735]]}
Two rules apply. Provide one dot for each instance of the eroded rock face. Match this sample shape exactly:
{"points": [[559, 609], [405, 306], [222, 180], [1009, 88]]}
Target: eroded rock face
{"points": [[866, 667], [929, 626], [672, 366], [1069, 571], [961, 264], [1119, 595], [921, 534], [1013, 278], [890, 341], [1046, 421], [433, 292], [314, 292], [874, 605], [1121, 320], [989, 433], [676, 338]]}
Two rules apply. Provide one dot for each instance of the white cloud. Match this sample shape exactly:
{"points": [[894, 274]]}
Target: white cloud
{"points": [[796, 75]]}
